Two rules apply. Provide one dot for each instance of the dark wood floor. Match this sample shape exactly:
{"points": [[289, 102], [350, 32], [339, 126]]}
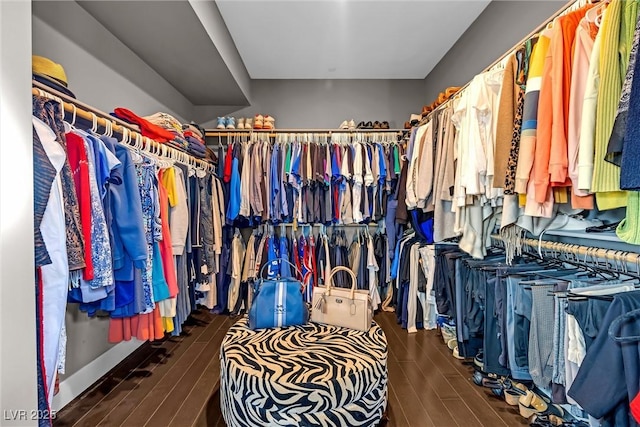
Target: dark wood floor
{"points": [[176, 382]]}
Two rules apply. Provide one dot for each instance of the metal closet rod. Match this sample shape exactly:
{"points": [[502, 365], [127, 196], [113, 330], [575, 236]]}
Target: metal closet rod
{"points": [[272, 132], [569, 248], [572, 5], [88, 113]]}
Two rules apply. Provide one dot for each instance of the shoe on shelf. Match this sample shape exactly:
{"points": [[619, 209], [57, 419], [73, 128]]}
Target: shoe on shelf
{"points": [[231, 122], [222, 123], [384, 125], [269, 122], [258, 121], [376, 125], [247, 123], [407, 125], [361, 125], [344, 125], [368, 125], [352, 125], [415, 119], [240, 123]]}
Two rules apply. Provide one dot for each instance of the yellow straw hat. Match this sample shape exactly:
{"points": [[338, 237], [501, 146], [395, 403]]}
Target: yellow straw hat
{"points": [[50, 73]]}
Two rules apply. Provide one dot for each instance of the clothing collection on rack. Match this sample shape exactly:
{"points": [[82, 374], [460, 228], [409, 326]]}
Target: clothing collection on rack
{"points": [[543, 327], [310, 178], [102, 238], [525, 140], [313, 254]]}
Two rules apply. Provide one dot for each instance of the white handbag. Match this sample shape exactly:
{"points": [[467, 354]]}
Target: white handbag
{"points": [[349, 308]]}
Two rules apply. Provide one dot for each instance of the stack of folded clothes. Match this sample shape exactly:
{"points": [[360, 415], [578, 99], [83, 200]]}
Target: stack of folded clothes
{"points": [[170, 123], [195, 140], [165, 128]]}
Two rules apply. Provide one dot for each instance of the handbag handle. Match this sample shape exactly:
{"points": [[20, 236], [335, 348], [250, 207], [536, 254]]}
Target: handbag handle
{"points": [[353, 279], [278, 260]]}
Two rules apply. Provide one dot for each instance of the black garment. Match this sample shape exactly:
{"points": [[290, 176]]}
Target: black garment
{"points": [[43, 175]]}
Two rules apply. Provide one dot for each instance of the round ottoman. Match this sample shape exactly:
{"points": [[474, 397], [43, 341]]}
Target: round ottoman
{"points": [[310, 375]]}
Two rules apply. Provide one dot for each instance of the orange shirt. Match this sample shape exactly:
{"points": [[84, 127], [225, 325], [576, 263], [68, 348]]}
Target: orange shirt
{"points": [[561, 88]]}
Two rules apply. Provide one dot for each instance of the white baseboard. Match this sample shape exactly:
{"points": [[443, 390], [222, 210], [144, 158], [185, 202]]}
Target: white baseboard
{"points": [[77, 383]]}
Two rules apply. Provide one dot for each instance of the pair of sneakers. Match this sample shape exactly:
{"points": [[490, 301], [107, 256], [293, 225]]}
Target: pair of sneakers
{"points": [[264, 122], [245, 123], [348, 125], [226, 123]]}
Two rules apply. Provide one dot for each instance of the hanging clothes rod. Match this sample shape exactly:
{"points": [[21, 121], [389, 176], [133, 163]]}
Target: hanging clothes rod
{"points": [[586, 252], [569, 7], [78, 109], [273, 132]]}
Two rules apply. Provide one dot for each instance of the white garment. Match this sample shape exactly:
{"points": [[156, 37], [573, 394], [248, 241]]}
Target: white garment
{"points": [[424, 175], [412, 307], [372, 266], [428, 263], [179, 215], [237, 258], [411, 197], [55, 276], [586, 144], [357, 184]]}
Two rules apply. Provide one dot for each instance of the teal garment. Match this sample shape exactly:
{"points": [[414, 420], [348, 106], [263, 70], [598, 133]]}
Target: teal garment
{"points": [[287, 160], [160, 286], [396, 160]]}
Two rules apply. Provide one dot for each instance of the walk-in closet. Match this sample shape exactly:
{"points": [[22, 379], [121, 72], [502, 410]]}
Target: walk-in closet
{"points": [[320, 213]]}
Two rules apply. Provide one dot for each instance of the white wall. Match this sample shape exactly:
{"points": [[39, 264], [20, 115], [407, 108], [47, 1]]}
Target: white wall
{"points": [[326, 103], [17, 287], [91, 80], [498, 28]]}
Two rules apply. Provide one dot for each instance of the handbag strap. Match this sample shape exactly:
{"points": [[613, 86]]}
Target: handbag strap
{"points": [[351, 273], [278, 260]]}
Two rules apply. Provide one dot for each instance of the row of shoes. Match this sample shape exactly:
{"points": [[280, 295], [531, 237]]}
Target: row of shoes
{"points": [[444, 96], [414, 119], [258, 122], [532, 404], [449, 336], [351, 125]]}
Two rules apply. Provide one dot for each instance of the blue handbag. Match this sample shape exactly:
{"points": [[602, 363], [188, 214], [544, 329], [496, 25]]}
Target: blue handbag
{"points": [[277, 302]]}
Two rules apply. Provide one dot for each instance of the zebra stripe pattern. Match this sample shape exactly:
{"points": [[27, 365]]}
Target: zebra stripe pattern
{"points": [[308, 375]]}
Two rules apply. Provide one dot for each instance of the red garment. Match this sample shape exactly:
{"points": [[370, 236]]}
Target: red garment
{"points": [[77, 155], [635, 408], [228, 159], [166, 249], [312, 256], [147, 128]]}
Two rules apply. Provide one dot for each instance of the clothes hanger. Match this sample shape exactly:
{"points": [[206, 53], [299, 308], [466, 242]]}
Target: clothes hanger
{"points": [[69, 127]]}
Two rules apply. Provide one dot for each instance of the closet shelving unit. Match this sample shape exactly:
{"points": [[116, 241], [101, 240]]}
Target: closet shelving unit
{"points": [[130, 134], [214, 133]]}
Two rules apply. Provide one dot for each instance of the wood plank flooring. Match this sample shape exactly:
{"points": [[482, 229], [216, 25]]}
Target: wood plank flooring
{"points": [[176, 383]]}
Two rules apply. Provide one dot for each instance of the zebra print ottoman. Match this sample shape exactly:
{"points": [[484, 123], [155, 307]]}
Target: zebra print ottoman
{"points": [[310, 375]]}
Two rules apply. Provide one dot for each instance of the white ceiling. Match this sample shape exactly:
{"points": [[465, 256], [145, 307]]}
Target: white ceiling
{"points": [[345, 39]]}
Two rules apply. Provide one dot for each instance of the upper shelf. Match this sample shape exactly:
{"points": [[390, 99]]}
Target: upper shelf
{"points": [[224, 132]]}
